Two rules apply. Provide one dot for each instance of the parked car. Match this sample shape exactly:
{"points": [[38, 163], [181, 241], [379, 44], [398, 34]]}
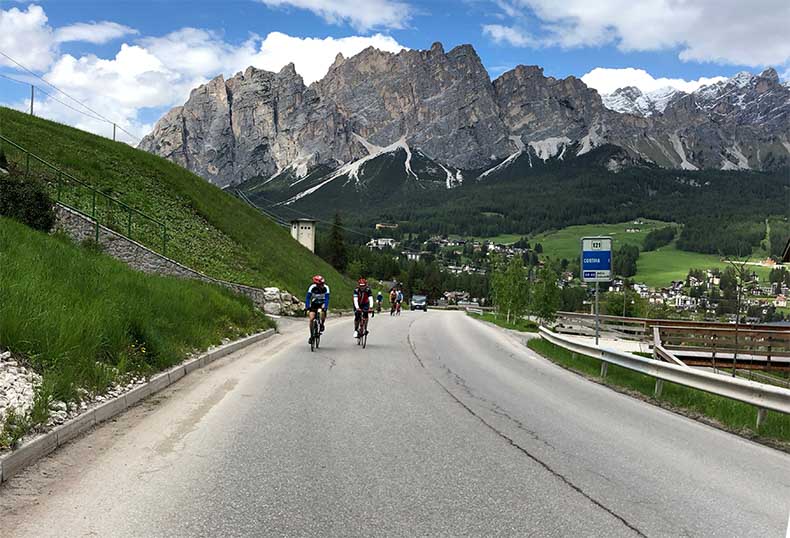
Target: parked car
{"points": [[419, 302]]}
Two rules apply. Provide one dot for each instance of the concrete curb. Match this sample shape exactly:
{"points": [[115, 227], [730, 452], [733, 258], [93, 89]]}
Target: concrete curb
{"points": [[44, 444]]}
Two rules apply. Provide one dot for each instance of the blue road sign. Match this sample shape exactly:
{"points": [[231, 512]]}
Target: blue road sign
{"points": [[596, 259]]}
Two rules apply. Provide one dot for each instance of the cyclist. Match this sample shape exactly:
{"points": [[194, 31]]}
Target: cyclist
{"points": [[399, 300], [379, 300], [363, 303], [393, 299], [317, 299]]}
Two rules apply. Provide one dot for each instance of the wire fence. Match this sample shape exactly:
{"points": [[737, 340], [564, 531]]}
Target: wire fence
{"points": [[105, 210]]}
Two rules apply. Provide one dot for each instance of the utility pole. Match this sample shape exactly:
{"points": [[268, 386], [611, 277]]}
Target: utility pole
{"points": [[113, 132], [597, 315], [32, 97]]}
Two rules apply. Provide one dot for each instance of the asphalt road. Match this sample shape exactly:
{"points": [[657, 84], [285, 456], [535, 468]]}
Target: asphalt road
{"points": [[443, 426]]}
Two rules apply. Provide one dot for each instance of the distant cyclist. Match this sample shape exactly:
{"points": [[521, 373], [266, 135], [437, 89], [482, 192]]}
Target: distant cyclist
{"points": [[379, 300], [317, 299], [398, 301], [363, 304], [393, 300]]}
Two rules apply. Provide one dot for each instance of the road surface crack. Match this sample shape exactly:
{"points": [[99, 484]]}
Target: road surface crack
{"points": [[492, 406], [521, 449]]}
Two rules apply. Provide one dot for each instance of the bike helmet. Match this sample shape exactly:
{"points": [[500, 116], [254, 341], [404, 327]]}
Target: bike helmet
{"points": [[318, 279], [362, 282]]}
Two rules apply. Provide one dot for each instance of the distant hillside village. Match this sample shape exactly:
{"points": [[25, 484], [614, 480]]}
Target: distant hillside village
{"points": [[704, 293]]}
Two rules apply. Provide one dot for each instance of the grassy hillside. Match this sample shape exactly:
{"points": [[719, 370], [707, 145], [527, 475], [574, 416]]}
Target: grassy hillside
{"points": [[662, 266], [208, 229], [657, 268], [565, 243], [85, 320]]}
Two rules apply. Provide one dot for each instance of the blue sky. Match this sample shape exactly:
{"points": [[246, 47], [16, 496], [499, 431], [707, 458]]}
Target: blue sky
{"points": [[132, 60]]}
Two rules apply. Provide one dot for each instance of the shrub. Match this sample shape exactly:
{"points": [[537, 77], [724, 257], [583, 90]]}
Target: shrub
{"points": [[27, 202], [3, 160]]}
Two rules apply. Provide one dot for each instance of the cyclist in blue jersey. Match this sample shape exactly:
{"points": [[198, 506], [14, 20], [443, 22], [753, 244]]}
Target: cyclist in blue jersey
{"points": [[317, 299], [379, 300]]}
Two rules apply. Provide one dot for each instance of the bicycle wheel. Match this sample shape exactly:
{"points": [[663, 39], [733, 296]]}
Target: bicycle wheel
{"points": [[315, 334], [364, 339]]}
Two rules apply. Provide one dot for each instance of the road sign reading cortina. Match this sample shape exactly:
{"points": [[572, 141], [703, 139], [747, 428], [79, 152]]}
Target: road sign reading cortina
{"points": [[596, 259]]}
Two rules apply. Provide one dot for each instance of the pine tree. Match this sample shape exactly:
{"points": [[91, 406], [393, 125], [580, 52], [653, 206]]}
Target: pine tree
{"points": [[338, 254]]}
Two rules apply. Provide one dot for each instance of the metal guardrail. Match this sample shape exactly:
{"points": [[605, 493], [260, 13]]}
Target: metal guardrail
{"points": [[754, 347], [764, 397], [87, 200], [642, 328]]}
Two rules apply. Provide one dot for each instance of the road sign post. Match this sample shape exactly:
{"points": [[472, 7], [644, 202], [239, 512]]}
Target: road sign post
{"points": [[596, 266]]}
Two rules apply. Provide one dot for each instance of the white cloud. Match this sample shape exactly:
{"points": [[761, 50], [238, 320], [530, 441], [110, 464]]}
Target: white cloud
{"points": [[607, 80], [197, 52], [203, 53], [363, 15], [724, 31], [26, 36], [93, 32], [156, 73], [509, 35], [313, 56]]}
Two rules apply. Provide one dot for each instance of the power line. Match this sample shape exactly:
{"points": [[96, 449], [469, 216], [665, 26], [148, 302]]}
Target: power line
{"points": [[98, 114], [53, 97], [302, 213], [272, 216]]}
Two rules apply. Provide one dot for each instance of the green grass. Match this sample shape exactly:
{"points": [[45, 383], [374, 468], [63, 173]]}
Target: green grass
{"points": [[523, 325], [208, 229], [85, 320], [730, 413], [656, 268], [660, 267], [566, 243]]}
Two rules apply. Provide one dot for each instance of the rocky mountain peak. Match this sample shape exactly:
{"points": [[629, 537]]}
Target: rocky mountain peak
{"points": [[770, 74], [339, 59], [443, 107], [632, 100], [288, 69]]}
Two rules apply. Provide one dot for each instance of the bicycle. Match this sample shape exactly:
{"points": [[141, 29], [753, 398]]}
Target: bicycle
{"points": [[315, 333], [362, 331], [397, 309]]}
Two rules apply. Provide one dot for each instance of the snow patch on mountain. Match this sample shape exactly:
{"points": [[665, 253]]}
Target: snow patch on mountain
{"points": [[510, 158], [631, 100], [677, 144], [451, 180], [743, 162], [549, 147], [352, 169]]}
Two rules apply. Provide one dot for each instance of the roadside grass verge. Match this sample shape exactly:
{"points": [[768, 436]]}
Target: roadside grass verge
{"points": [[732, 415], [85, 321], [523, 325], [208, 229]]}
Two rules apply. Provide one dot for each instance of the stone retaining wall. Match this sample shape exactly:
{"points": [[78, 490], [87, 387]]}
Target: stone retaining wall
{"points": [[142, 258]]}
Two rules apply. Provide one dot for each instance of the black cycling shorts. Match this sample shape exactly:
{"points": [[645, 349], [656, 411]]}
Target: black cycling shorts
{"points": [[315, 307]]}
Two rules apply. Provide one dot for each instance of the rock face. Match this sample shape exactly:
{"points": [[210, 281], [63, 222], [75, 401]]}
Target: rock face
{"points": [[443, 107]]}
